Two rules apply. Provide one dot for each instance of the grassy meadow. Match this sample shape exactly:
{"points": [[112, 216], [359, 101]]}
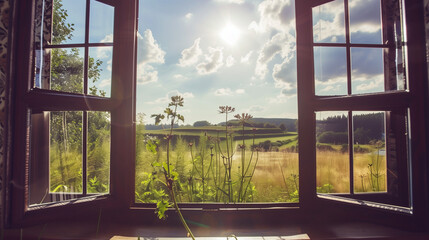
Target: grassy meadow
{"points": [[273, 174]]}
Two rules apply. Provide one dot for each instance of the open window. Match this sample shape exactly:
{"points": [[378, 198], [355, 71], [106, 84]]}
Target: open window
{"points": [[360, 99], [73, 105]]}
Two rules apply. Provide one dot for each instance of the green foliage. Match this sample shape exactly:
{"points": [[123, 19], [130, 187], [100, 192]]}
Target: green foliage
{"points": [[66, 128], [201, 124], [61, 29], [326, 188], [333, 137]]}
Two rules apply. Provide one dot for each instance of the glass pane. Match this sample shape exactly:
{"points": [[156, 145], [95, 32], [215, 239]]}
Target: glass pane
{"points": [[369, 157], [394, 32], [67, 70], [330, 70], [328, 23], [100, 71], [332, 152], [56, 156], [367, 70], [365, 21], [68, 21], [98, 152], [101, 22], [65, 152]]}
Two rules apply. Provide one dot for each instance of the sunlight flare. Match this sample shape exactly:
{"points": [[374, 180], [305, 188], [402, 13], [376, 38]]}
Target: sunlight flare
{"points": [[230, 34]]}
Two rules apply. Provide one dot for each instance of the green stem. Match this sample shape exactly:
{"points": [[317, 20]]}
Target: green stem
{"points": [[176, 206]]}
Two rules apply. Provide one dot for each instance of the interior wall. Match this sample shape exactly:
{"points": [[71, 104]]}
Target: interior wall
{"points": [[4, 67]]}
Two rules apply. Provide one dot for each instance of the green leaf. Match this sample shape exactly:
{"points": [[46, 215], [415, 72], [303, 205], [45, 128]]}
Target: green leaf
{"points": [[161, 207]]}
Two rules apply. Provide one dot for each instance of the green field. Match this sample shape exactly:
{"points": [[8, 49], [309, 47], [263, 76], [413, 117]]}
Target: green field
{"points": [[273, 170]]}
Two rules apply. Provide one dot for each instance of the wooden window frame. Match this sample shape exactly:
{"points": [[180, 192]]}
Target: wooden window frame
{"points": [[415, 100], [120, 105]]}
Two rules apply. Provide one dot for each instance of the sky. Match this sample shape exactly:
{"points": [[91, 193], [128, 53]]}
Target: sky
{"points": [[240, 53]]}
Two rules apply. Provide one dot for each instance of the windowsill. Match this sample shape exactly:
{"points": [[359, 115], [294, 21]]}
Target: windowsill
{"points": [[295, 237]]}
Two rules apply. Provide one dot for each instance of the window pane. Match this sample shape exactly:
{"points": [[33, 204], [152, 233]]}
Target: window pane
{"points": [[101, 22], [65, 152], [56, 156], [332, 152], [98, 152], [68, 21], [330, 69], [328, 23], [369, 157], [365, 21], [100, 71], [67, 70], [367, 70]]}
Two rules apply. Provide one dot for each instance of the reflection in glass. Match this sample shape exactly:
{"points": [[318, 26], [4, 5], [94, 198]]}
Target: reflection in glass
{"points": [[65, 152], [68, 21], [367, 70], [369, 156], [98, 152], [101, 22], [55, 166], [330, 69], [332, 152], [328, 23], [67, 70], [100, 71], [365, 21]]}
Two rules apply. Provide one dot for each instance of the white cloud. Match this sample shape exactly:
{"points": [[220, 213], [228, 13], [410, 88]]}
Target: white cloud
{"points": [[109, 65], [230, 61], [246, 58], [167, 97], [105, 52], [148, 49], [213, 61], [148, 52], [105, 82], [228, 92], [284, 74], [179, 76], [231, 1], [189, 16], [274, 14], [107, 39], [146, 74], [281, 43], [240, 91], [190, 55], [223, 92], [255, 108]]}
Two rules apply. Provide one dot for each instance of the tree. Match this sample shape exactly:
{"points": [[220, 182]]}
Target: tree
{"points": [[283, 127], [201, 123], [66, 127]]}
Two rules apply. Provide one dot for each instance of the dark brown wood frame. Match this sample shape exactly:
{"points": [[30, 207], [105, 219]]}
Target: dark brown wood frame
{"points": [[412, 100], [27, 99]]}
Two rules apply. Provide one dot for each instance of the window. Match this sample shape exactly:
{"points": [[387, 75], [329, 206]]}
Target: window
{"points": [[53, 117], [358, 95], [71, 114]]}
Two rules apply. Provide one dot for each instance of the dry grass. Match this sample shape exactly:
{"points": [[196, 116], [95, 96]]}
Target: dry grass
{"points": [[276, 175]]}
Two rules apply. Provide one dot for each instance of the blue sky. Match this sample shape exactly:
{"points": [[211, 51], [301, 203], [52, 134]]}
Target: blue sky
{"points": [[240, 53], [217, 52]]}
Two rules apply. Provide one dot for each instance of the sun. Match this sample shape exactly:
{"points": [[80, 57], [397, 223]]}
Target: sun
{"points": [[230, 34]]}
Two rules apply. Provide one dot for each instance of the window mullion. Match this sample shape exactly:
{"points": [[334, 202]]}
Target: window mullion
{"points": [[351, 150], [84, 152], [346, 23], [86, 62]]}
